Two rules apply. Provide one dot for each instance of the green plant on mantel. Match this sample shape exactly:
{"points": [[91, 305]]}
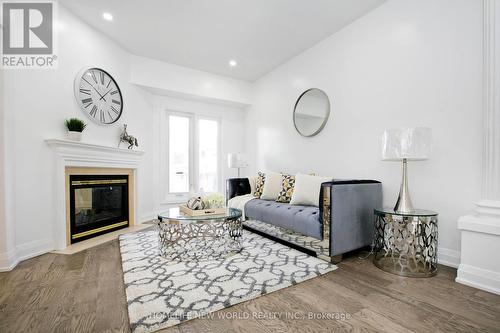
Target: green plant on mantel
{"points": [[75, 125]]}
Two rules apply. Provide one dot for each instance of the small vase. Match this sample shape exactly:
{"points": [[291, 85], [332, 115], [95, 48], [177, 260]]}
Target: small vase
{"points": [[74, 136]]}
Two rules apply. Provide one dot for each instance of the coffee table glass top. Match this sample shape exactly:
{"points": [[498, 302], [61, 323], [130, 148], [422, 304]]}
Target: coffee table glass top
{"points": [[175, 214]]}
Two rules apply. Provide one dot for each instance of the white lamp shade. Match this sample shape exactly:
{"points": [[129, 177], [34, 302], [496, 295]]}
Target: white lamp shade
{"points": [[406, 143], [236, 160]]}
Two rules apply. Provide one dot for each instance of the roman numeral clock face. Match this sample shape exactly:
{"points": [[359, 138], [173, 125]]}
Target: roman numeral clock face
{"points": [[99, 96]]}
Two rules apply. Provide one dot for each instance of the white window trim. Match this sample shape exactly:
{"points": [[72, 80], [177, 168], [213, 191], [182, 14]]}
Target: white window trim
{"points": [[171, 198]]}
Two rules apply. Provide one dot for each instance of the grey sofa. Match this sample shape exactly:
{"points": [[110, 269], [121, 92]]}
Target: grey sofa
{"points": [[342, 223]]}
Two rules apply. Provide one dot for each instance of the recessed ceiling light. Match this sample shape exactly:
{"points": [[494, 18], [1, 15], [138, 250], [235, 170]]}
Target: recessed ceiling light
{"points": [[107, 16], [233, 63]]}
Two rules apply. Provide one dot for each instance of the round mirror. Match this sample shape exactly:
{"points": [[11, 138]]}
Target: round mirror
{"points": [[311, 112]]}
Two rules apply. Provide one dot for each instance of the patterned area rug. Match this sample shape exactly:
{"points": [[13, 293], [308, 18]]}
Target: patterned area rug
{"points": [[162, 293]]}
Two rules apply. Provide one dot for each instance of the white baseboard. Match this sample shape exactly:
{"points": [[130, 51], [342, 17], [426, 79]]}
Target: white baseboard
{"points": [[29, 250], [479, 278], [34, 249], [448, 257], [8, 261], [24, 251]]}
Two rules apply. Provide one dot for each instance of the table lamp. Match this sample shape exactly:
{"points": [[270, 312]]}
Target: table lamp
{"points": [[237, 160], [406, 144]]}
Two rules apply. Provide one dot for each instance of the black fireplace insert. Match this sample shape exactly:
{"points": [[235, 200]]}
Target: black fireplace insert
{"points": [[98, 205]]}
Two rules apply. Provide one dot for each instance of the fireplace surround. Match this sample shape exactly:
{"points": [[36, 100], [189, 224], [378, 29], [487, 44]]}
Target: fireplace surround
{"points": [[79, 158], [98, 204], [98, 201]]}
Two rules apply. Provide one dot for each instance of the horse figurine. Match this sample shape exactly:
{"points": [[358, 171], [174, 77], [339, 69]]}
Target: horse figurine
{"points": [[125, 137]]}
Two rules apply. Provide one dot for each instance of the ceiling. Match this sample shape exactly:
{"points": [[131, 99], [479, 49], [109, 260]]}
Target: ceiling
{"points": [[206, 34]]}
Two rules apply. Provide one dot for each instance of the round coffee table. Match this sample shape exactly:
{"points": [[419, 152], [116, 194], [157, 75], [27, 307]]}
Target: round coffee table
{"points": [[184, 237]]}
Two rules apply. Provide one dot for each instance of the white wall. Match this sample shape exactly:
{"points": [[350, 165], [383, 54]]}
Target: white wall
{"points": [[7, 151], [37, 102], [407, 63], [3, 226], [6, 234]]}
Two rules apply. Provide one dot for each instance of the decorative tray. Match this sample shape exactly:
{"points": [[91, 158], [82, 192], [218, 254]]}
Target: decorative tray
{"points": [[202, 212]]}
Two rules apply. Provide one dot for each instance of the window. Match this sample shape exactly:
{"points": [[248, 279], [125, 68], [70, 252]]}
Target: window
{"points": [[192, 155], [207, 155], [178, 154]]}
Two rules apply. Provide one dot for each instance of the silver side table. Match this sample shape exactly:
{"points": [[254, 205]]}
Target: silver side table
{"points": [[406, 243]]}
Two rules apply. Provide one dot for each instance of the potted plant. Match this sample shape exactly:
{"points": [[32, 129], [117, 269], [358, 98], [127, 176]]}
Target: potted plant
{"points": [[75, 128]]}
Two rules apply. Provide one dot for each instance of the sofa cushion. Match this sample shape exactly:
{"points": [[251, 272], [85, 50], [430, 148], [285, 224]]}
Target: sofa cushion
{"points": [[301, 219]]}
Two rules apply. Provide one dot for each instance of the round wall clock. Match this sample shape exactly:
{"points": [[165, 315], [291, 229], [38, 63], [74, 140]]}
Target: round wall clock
{"points": [[98, 95]]}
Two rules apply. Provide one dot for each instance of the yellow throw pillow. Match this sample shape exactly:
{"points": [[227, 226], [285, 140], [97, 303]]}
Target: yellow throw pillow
{"points": [[287, 186], [259, 184]]}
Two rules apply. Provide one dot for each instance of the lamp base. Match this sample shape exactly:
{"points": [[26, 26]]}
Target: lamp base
{"points": [[403, 204]]}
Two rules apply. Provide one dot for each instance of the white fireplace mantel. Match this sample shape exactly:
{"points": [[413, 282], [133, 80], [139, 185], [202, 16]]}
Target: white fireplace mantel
{"points": [[79, 154]]}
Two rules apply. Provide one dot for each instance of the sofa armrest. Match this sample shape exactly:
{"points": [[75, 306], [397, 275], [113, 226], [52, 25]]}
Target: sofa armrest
{"points": [[351, 214], [236, 187]]}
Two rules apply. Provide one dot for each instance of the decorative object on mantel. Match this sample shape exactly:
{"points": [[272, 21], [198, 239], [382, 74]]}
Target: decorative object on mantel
{"points": [[98, 95], [75, 128], [311, 112], [125, 137], [406, 144], [237, 161]]}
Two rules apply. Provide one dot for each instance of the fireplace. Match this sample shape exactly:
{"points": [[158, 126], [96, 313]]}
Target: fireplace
{"points": [[98, 204]]}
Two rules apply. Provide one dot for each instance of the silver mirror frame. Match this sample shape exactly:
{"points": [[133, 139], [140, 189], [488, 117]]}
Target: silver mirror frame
{"points": [[327, 116]]}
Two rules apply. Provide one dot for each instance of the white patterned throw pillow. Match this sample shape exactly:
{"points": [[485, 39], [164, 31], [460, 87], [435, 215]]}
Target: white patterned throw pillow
{"points": [[307, 189]]}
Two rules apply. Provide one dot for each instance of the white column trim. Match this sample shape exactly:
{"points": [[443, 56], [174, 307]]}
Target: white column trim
{"points": [[491, 103], [480, 232]]}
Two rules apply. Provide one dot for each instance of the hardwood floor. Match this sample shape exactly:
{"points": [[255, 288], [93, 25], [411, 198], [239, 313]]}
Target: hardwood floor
{"points": [[84, 292]]}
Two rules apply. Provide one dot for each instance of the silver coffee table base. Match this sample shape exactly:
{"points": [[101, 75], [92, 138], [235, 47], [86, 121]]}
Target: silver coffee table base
{"points": [[200, 238]]}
